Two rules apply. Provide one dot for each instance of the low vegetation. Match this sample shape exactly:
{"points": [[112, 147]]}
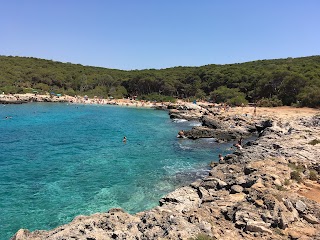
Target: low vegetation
{"points": [[290, 81], [313, 175], [314, 142], [296, 175], [286, 182], [296, 167], [297, 170]]}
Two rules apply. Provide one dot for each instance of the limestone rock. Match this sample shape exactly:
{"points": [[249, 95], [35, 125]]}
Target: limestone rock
{"points": [[249, 169], [294, 235], [301, 206], [186, 197], [236, 189], [311, 219], [258, 226], [259, 202], [277, 182], [212, 122]]}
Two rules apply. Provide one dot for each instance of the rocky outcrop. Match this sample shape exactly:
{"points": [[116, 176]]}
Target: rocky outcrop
{"points": [[224, 128], [185, 114], [249, 195], [25, 98]]}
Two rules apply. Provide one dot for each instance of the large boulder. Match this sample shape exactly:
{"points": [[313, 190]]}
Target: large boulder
{"points": [[211, 122]]}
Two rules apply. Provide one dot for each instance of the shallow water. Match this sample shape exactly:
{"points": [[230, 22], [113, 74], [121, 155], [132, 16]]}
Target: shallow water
{"points": [[58, 161]]}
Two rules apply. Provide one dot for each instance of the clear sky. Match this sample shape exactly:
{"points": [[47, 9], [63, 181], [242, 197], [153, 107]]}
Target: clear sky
{"points": [[140, 34]]}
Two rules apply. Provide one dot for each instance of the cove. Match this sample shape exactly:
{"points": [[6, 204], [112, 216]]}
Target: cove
{"points": [[58, 161]]}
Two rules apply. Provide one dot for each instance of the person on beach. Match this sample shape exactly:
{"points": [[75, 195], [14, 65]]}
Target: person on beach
{"points": [[255, 110], [124, 139]]}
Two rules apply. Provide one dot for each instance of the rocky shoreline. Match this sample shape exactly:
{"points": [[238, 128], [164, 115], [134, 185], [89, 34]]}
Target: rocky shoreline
{"points": [[28, 97], [262, 190]]}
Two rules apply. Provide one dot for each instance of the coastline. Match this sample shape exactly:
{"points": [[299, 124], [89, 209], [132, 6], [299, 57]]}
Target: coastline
{"points": [[244, 197], [28, 97]]}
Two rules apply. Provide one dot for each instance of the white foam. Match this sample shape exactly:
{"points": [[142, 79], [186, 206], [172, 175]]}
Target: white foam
{"points": [[195, 124], [176, 120], [184, 147]]}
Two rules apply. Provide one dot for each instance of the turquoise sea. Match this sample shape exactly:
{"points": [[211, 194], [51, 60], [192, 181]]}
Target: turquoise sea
{"points": [[58, 161]]}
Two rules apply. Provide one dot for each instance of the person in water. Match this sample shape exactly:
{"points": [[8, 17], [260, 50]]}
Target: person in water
{"points": [[221, 159], [124, 139], [238, 146], [181, 134]]}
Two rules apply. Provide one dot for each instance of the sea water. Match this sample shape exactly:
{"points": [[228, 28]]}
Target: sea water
{"points": [[58, 161]]}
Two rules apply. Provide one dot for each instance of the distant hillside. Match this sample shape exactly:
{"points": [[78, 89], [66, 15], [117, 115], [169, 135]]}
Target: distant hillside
{"points": [[268, 82]]}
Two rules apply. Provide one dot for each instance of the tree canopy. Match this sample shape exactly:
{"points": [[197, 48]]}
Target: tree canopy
{"points": [[289, 81]]}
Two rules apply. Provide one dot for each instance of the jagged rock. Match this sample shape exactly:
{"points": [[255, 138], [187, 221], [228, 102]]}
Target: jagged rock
{"points": [[196, 183], [311, 219], [258, 226], [219, 134], [236, 189], [258, 185], [231, 158], [212, 123], [283, 221], [301, 206], [294, 235], [290, 207], [184, 114], [259, 202], [241, 181], [266, 217], [263, 125], [200, 132], [241, 216], [248, 169], [22, 234], [184, 197], [205, 195], [205, 227], [277, 182], [218, 183], [237, 197], [209, 183], [221, 184]]}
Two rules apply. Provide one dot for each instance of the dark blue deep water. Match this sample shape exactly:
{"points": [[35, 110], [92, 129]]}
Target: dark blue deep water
{"points": [[58, 161]]}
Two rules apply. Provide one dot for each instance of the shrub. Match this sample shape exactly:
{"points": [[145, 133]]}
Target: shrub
{"points": [[157, 97], [314, 142], [237, 101], [310, 96], [313, 175], [286, 182], [298, 167], [295, 175], [230, 95], [269, 102], [280, 188]]}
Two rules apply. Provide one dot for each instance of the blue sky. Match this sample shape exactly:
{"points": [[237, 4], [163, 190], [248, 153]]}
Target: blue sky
{"points": [[141, 34]]}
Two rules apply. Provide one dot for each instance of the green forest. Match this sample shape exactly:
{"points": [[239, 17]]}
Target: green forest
{"points": [[290, 81]]}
